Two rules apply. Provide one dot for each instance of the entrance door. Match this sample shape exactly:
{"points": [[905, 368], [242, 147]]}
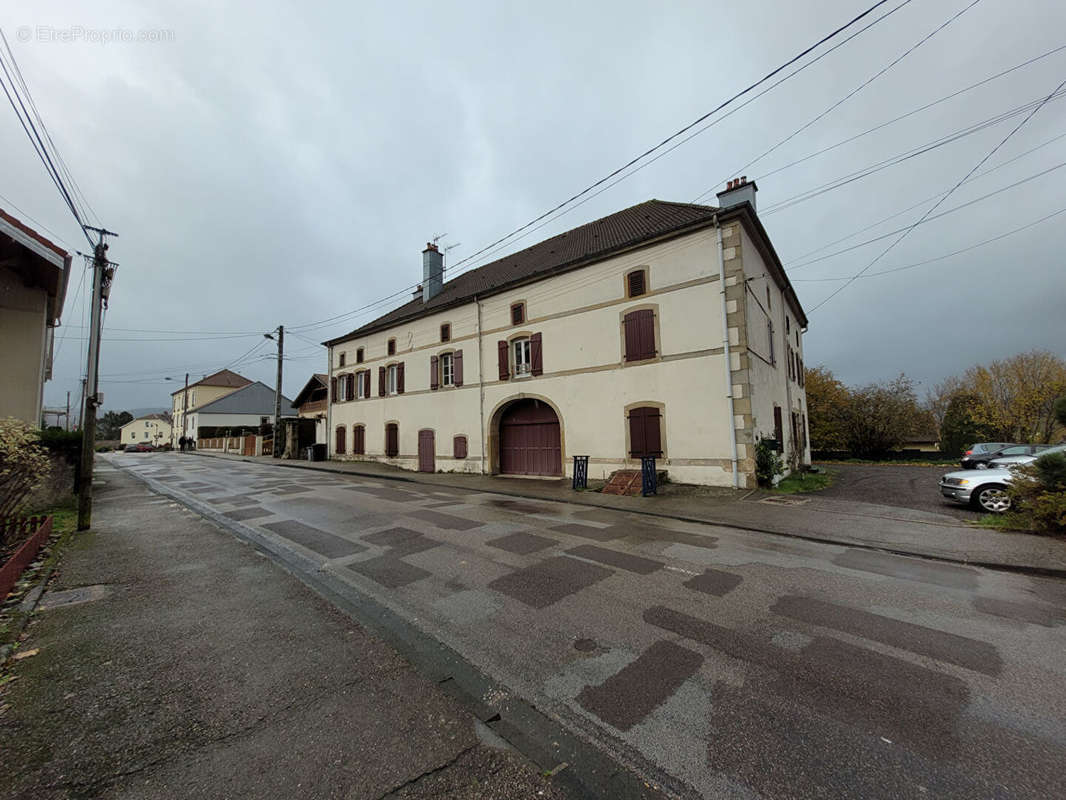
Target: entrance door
{"points": [[249, 446], [530, 441], [426, 462]]}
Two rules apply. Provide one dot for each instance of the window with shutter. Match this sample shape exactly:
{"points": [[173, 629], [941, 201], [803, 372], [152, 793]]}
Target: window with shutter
{"points": [[503, 359], [381, 381], [518, 313], [447, 376], [358, 440], [392, 440], [459, 447], [523, 364], [645, 433], [359, 355], [351, 385], [434, 378], [639, 334], [391, 347], [445, 332], [399, 378], [457, 367], [536, 354], [635, 281], [340, 440]]}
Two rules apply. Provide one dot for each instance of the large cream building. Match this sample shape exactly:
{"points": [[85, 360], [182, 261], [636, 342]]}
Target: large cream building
{"points": [[153, 429], [665, 329]]}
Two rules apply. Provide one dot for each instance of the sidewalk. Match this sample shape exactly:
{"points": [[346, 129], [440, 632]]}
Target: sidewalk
{"points": [[865, 525], [172, 660]]}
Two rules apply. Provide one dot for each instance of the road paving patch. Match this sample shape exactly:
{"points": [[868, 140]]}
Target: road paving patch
{"points": [[1030, 613], [389, 493], [613, 558], [446, 521], [549, 581], [952, 576], [940, 645], [586, 531], [642, 534], [402, 541], [627, 697], [322, 542], [522, 543], [292, 489], [389, 571], [715, 582], [251, 512]]}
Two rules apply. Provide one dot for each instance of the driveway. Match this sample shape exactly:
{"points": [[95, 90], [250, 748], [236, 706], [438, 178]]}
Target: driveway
{"points": [[890, 485], [714, 662]]}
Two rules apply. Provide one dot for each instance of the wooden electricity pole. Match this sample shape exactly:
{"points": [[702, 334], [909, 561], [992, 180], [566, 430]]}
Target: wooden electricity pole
{"points": [[277, 394]]}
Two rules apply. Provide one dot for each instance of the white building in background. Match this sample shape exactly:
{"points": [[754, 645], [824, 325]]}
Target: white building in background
{"points": [[206, 390], [155, 429], [665, 329]]}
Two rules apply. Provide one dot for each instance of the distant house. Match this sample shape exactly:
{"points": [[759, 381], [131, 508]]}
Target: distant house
{"points": [[204, 391], [240, 411], [312, 403], [33, 284], [153, 428]]}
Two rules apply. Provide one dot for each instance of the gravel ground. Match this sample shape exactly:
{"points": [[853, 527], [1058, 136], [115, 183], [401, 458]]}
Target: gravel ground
{"points": [[892, 485]]}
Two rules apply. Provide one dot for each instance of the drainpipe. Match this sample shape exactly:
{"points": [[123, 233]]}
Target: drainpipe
{"points": [[481, 385], [728, 358]]}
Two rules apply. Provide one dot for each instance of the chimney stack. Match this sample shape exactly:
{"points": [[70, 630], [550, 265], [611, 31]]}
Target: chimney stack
{"points": [[432, 272], [738, 191]]}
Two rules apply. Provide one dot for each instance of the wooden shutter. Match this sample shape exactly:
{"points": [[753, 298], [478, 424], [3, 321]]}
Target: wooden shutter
{"points": [[381, 381], [333, 390], [459, 447], [350, 377], [457, 367], [640, 334], [636, 283], [645, 437], [504, 359], [434, 373], [340, 440], [518, 314], [358, 440], [535, 357], [392, 439], [399, 378]]}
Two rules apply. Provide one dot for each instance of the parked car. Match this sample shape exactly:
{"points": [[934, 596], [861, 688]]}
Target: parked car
{"points": [[985, 490], [982, 453], [1007, 460], [140, 447], [982, 460]]}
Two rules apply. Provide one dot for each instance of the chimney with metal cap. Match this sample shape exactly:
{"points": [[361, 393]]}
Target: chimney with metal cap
{"points": [[432, 272], [738, 191]]}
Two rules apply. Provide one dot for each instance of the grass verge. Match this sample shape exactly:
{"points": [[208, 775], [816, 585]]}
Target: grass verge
{"points": [[804, 482]]}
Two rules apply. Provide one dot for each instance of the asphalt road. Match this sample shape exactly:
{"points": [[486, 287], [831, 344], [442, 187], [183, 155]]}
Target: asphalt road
{"points": [[891, 485], [715, 662]]}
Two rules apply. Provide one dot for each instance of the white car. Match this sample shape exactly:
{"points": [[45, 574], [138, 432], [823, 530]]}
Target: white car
{"points": [[1005, 461], [984, 490]]}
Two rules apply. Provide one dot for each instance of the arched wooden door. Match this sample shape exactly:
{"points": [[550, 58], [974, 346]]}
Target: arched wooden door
{"points": [[530, 439]]}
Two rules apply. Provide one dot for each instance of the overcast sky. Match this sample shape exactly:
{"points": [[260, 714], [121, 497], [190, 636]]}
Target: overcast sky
{"points": [[270, 163]]}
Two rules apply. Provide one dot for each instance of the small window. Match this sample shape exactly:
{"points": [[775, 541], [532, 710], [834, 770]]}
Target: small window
{"points": [[343, 358], [523, 363], [459, 447], [635, 283], [391, 379], [518, 313], [445, 332], [391, 347], [392, 440], [359, 355], [447, 373]]}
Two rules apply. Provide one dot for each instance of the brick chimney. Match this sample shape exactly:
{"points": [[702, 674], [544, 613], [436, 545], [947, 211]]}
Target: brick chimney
{"points": [[738, 191], [432, 272]]}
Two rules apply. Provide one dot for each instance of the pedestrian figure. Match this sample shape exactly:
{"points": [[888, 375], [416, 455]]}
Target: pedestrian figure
{"points": [[181, 443]]}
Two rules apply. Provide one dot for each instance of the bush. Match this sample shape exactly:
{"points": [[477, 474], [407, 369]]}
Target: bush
{"points": [[1038, 491], [768, 463], [24, 464], [61, 442]]}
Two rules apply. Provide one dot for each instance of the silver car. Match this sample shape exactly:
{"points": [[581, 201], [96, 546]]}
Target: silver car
{"points": [[984, 490], [1006, 461]]}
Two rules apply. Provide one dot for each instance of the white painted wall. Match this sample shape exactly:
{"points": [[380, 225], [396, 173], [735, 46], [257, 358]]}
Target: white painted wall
{"points": [[23, 354]]}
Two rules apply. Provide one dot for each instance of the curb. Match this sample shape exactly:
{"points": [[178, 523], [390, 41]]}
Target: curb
{"points": [[582, 768], [1018, 569]]}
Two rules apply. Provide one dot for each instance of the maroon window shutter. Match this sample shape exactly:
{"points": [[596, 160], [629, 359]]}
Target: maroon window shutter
{"points": [[636, 283], [399, 378], [340, 440], [392, 439], [333, 390], [647, 332], [381, 381], [459, 447], [653, 444], [434, 373], [636, 433], [640, 334], [358, 440], [504, 358], [350, 377], [535, 354], [457, 368]]}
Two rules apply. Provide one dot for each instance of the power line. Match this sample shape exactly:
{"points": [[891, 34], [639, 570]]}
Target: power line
{"points": [[928, 212], [699, 120]]}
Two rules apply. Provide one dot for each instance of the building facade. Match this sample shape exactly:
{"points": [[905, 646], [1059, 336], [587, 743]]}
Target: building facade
{"points": [[243, 410], [33, 282], [313, 403], [154, 429], [185, 401], [666, 329]]}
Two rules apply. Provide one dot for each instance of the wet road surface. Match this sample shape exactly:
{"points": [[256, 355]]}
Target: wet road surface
{"points": [[717, 662]]}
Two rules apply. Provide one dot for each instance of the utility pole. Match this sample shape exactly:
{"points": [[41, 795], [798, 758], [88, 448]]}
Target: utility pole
{"points": [[102, 273], [68, 412], [185, 408], [277, 394]]}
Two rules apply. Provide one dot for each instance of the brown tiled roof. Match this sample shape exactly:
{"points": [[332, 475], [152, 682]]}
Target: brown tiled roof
{"points": [[585, 244], [26, 229], [223, 377]]}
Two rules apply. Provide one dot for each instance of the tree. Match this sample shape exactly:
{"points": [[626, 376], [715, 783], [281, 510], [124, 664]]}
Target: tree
{"points": [[938, 399], [880, 417], [827, 403], [962, 426], [110, 424], [1018, 395], [1060, 410]]}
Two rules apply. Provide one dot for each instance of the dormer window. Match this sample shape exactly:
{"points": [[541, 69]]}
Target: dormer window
{"points": [[518, 313]]}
